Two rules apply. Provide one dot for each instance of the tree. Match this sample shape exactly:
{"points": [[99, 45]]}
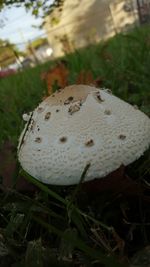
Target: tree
{"points": [[8, 53], [38, 42], [36, 6]]}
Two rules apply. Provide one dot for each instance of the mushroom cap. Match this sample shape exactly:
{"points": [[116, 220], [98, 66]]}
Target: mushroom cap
{"points": [[77, 126]]}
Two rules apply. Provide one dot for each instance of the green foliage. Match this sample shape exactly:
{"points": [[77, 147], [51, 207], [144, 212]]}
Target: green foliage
{"points": [[36, 6], [38, 42], [8, 53]]}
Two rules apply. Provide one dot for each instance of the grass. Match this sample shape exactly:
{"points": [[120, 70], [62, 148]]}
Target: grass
{"points": [[68, 226]]}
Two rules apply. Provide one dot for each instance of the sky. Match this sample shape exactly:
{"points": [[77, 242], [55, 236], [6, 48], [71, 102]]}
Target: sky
{"points": [[17, 26]]}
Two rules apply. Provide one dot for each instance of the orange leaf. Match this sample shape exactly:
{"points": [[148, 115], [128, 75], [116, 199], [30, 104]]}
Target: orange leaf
{"points": [[56, 78], [86, 77]]}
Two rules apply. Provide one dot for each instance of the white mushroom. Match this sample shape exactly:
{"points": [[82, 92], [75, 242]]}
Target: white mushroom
{"points": [[77, 126]]}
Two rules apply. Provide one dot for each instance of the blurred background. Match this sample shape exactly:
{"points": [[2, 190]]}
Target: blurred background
{"points": [[32, 34]]}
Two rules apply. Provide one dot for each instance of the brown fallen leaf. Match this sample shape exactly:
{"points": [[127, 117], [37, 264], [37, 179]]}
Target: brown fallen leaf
{"points": [[116, 182], [56, 77], [8, 168], [105, 54], [86, 77]]}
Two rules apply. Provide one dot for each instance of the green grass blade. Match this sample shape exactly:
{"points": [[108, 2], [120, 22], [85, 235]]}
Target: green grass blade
{"points": [[43, 187], [109, 261]]}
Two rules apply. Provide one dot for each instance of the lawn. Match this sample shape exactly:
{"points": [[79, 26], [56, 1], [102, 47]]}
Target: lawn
{"points": [[69, 226]]}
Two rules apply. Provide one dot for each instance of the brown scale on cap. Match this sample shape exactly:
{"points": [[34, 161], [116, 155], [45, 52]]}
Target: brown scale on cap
{"points": [[89, 143], [32, 125], [38, 139], [69, 100], [108, 91], [63, 139], [98, 96], [107, 112], [40, 109], [74, 108], [47, 116], [69, 96], [122, 137]]}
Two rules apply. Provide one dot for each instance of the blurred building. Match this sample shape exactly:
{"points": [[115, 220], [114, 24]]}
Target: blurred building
{"points": [[43, 52], [144, 11], [37, 51], [78, 23]]}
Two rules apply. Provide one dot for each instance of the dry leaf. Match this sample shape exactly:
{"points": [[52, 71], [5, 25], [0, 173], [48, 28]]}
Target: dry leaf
{"points": [[8, 168], [116, 182], [56, 78], [86, 77]]}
